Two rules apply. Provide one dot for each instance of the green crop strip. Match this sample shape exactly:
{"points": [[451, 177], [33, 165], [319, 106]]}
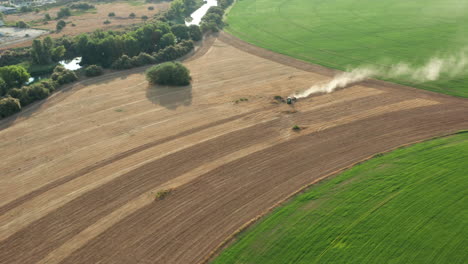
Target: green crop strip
{"points": [[407, 206], [344, 34]]}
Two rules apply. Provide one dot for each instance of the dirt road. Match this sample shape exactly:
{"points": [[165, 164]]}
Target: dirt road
{"points": [[80, 172]]}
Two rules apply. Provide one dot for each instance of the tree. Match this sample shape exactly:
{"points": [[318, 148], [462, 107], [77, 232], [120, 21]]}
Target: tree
{"points": [[48, 44], [64, 12], [36, 52], [180, 31], [9, 106], [3, 87], [132, 15], [58, 53], [144, 17], [47, 17], [14, 76], [167, 40], [22, 24], [60, 25], [195, 32], [43, 52], [169, 73], [111, 14]]}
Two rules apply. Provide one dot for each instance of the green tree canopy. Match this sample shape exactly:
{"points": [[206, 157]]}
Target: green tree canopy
{"points": [[14, 76], [169, 73], [9, 106], [168, 39], [180, 31], [195, 32]]}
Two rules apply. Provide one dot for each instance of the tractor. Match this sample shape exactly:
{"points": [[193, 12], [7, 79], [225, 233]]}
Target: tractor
{"points": [[291, 100]]}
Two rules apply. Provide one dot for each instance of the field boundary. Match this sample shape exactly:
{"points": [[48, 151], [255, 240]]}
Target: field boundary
{"points": [[231, 238], [316, 68]]}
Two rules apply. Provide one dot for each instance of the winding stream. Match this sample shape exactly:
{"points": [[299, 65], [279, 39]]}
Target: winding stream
{"points": [[200, 12]]}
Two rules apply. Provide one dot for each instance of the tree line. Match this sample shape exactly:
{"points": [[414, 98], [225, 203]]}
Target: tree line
{"points": [[155, 42], [149, 44]]}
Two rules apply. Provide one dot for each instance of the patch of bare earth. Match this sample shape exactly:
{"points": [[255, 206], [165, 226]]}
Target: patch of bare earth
{"points": [[88, 21], [80, 171]]}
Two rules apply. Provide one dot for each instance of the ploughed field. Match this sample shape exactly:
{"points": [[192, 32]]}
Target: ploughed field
{"points": [[80, 171], [406, 207], [344, 34]]}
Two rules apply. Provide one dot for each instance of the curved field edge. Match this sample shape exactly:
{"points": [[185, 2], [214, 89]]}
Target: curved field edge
{"points": [[344, 34], [407, 206]]}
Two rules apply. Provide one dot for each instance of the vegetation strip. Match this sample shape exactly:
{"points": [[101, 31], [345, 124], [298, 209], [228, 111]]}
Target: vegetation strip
{"points": [[301, 220], [151, 43]]}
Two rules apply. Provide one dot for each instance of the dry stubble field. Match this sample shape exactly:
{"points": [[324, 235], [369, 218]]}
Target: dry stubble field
{"points": [[80, 170], [88, 21]]}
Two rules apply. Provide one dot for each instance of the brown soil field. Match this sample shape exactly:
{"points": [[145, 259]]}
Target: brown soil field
{"points": [[80, 170], [88, 21]]}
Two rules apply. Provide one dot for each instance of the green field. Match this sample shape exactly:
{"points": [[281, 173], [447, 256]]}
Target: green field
{"points": [[347, 33], [408, 206]]}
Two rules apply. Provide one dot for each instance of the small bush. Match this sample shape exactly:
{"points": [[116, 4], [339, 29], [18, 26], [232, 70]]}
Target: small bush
{"points": [[162, 194], [107, 22], [144, 17], [9, 106], [296, 128], [150, 7], [47, 17], [143, 59], [49, 84], [111, 14], [93, 70], [169, 73], [122, 63], [132, 15]]}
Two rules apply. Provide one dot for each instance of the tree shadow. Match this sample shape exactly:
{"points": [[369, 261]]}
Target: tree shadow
{"points": [[170, 97]]}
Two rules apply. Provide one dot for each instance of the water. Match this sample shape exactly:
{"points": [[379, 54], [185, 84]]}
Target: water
{"points": [[72, 65], [200, 12], [32, 79]]}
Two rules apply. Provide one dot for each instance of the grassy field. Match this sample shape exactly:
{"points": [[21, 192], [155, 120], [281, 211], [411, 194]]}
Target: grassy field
{"points": [[408, 206], [347, 33]]}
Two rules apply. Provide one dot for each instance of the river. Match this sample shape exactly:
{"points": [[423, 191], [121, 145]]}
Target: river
{"points": [[200, 12]]}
